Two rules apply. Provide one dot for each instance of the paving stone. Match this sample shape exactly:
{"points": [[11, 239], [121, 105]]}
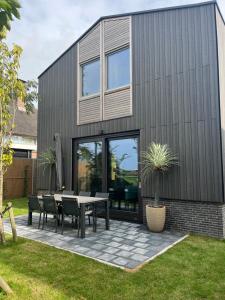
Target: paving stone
{"points": [[141, 245], [117, 239], [140, 251], [93, 253], [98, 246], [124, 253], [111, 250], [142, 240], [114, 244], [120, 261], [126, 247], [107, 257], [139, 257]]}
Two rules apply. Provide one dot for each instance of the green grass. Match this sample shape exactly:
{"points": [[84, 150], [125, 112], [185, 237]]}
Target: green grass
{"points": [[19, 206], [193, 269]]}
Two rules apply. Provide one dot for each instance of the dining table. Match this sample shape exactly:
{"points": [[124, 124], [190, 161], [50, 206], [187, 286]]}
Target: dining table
{"points": [[83, 201]]}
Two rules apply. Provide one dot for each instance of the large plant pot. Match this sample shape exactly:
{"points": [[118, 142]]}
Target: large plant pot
{"points": [[156, 217]]}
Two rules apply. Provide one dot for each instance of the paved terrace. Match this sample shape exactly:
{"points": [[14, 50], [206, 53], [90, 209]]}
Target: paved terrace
{"points": [[125, 245]]}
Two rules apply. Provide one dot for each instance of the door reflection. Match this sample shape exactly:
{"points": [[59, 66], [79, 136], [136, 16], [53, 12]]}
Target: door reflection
{"points": [[123, 173], [89, 158]]}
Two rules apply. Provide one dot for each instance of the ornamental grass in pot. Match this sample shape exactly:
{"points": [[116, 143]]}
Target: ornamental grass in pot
{"points": [[158, 159]]}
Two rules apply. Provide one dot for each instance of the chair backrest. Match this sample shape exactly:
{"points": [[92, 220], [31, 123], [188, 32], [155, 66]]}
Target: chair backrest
{"points": [[65, 192], [33, 203], [87, 194], [70, 206], [102, 195], [49, 205]]}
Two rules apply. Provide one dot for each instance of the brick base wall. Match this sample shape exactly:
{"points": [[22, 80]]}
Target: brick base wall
{"points": [[197, 217]]}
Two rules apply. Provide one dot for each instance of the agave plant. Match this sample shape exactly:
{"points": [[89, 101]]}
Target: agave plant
{"points": [[157, 160], [48, 160]]}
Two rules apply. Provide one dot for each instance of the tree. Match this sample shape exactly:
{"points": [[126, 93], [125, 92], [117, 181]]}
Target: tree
{"points": [[48, 161], [8, 10]]}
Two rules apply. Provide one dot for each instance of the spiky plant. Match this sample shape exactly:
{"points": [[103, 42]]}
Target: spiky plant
{"points": [[47, 161], [158, 159]]}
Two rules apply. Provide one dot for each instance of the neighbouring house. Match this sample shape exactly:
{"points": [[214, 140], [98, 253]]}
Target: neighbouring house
{"points": [[132, 79], [24, 139]]}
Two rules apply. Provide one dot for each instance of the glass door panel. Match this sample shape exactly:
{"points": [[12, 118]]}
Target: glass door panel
{"points": [[123, 173], [89, 163]]}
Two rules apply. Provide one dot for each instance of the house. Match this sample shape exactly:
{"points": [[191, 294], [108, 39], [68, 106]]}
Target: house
{"points": [[132, 79], [24, 138]]}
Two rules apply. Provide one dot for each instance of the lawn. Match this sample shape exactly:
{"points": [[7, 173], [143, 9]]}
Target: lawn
{"points": [[19, 206], [193, 269]]}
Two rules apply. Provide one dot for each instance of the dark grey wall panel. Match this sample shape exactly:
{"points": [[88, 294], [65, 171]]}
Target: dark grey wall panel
{"points": [[175, 100], [221, 70]]}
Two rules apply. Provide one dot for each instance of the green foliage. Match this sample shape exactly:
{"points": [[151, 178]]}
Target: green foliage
{"points": [[8, 10], [158, 158], [47, 158]]}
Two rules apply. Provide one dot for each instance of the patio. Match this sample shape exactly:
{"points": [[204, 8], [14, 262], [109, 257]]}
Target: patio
{"points": [[126, 245]]}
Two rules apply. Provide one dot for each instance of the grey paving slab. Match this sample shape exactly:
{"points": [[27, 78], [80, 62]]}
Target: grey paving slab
{"points": [[125, 245]]}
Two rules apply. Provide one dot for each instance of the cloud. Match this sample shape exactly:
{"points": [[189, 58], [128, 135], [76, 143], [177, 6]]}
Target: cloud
{"points": [[47, 28]]}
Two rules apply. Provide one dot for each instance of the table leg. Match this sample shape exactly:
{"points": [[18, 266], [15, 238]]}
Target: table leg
{"points": [[94, 218], [82, 220], [30, 218], [107, 215]]}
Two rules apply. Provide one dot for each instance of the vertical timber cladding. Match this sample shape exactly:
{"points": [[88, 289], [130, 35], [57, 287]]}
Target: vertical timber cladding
{"points": [[108, 36]]}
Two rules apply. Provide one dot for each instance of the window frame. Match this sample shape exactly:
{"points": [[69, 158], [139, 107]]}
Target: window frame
{"points": [[122, 87], [84, 97]]}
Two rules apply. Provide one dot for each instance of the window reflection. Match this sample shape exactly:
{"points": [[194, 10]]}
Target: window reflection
{"points": [[91, 78], [118, 69], [90, 167]]}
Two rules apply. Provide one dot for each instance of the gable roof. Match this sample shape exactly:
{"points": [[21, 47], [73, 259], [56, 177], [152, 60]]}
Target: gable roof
{"points": [[26, 124], [130, 14]]}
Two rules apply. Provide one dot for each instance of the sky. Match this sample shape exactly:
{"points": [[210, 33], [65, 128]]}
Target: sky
{"points": [[48, 27]]}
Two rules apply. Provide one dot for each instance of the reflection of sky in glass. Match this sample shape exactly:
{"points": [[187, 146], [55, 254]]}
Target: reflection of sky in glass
{"points": [[126, 146]]}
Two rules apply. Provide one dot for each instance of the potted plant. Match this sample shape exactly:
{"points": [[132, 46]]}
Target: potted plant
{"points": [[48, 161], [157, 160]]}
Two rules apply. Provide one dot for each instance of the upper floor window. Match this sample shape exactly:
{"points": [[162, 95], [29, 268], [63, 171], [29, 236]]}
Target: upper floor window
{"points": [[91, 78], [118, 69]]}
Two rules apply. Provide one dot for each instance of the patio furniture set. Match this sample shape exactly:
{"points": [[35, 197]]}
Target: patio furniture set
{"points": [[78, 207]]}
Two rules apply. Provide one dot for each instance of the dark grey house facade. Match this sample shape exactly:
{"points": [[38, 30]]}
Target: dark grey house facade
{"points": [[128, 81]]}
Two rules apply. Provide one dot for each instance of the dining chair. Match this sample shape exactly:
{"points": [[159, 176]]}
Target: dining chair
{"points": [[71, 208], [50, 207], [89, 207], [87, 194], [34, 205], [67, 192], [100, 206]]}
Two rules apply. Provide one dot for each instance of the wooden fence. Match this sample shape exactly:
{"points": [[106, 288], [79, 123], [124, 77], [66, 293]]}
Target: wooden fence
{"points": [[20, 179]]}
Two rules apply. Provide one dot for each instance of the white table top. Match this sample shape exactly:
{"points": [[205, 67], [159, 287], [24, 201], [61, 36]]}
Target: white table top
{"points": [[80, 199]]}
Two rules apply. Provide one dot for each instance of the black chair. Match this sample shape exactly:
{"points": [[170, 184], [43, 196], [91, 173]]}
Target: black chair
{"points": [[50, 207], [89, 208], [71, 208], [86, 194], [34, 205], [65, 192], [100, 206]]}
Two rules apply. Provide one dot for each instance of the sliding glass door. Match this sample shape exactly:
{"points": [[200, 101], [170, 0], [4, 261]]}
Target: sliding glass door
{"points": [[123, 173], [109, 164]]}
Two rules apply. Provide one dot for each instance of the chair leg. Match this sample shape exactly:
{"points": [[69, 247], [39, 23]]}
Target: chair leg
{"points": [[56, 223], [39, 223], [62, 224], [78, 226], [43, 222], [89, 220]]}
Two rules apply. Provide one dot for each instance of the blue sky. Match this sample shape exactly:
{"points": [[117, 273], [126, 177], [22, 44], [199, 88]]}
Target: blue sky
{"points": [[48, 27]]}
